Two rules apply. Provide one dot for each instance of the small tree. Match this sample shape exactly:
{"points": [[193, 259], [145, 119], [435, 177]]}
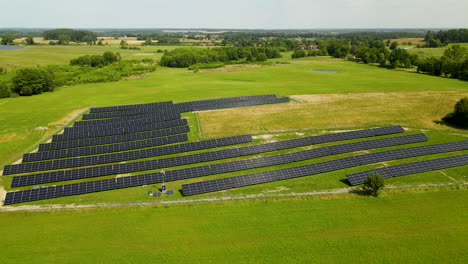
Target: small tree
{"points": [[30, 40], [374, 183], [8, 39], [394, 45]]}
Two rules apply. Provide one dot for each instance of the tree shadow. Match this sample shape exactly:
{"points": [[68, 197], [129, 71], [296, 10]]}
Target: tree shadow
{"points": [[443, 123]]}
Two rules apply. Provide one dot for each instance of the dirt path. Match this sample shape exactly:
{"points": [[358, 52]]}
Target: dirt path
{"points": [[201, 200]]}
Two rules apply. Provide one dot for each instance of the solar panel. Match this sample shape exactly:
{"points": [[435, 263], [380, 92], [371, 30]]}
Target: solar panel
{"points": [[101, 149], [154, 164], [168, 104], [157, 194], [133, 112], [170, 192], [126, 120], [85, 142], [120, 168], [185, 173], [409, 168], [327, 166], [129, 107], [105, 131]]}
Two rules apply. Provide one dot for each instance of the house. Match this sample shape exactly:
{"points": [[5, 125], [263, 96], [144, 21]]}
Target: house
{"points": [[311, 47]]}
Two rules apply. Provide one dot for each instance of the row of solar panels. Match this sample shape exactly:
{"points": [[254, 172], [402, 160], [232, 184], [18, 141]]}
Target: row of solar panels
{"points": [[122, 156], [130, 133], [140, 154], [102, 149], [205, 170], [123, 121], [97, 171], [129, 107], [220, 105], [409, 168], [175, 161], [322, 167], [155, 115], [169, 104]]}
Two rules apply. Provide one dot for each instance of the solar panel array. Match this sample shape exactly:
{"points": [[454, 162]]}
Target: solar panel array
{"points": [[166, 107], [129, 167], [185, 173], [101, 149], [129, 107], [201, 106], [130, 120], [317, 168], [409, 168], [123, 156], [174, 161], [118, 138]]}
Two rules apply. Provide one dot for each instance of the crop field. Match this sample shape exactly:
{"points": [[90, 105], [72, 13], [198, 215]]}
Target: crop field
{"points": [[274, 224]]}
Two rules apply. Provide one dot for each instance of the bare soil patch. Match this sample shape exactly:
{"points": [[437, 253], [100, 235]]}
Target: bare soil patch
{"points": [[72, 115]]}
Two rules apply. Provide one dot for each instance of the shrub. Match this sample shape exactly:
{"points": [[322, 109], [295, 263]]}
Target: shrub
{"points": [[374, 183], [200, 66], [96, 60], [29, 81], [4, 89], [298, 54]]}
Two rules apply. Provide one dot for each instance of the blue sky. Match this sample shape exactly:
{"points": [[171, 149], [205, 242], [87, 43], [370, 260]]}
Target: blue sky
{"points": [[254, 14]]}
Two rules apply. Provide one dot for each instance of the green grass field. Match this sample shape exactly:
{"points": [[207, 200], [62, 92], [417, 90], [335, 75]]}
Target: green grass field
{"points": [[427, 227], [436, 52], [422, 225]]}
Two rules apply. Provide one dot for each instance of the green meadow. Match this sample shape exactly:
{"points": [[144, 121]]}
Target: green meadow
{"points": [[421, 227], [420, 218]]}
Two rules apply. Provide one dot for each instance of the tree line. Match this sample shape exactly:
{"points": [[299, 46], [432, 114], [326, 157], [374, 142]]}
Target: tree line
{"points": [[453, 64], [185, 57], [85, 69], [66, 34]]}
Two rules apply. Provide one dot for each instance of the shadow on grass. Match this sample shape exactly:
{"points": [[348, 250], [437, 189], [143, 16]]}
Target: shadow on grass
{"points": [[345, 181], [443, 123]]}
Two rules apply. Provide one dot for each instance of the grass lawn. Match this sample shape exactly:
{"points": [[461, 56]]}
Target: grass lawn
{"points": [[415, 227]]}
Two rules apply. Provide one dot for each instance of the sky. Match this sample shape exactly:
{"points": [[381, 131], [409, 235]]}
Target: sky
{"points": [[234, 14]]}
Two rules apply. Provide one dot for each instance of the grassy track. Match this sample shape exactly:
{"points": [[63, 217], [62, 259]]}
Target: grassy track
{"points": [[411, 227]]}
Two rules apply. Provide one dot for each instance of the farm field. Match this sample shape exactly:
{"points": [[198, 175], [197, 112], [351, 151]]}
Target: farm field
{"points": [[334, 229]]}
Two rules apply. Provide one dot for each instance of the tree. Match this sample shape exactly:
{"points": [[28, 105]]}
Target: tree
{"points": [[100, 42], [394, 45], [261, 57], [30, 40], [123, 44], [374, 183], [8, 39], [400, 57], [148, 42], [29, 81], [459, 116], [63, 40], [298, 54]]}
